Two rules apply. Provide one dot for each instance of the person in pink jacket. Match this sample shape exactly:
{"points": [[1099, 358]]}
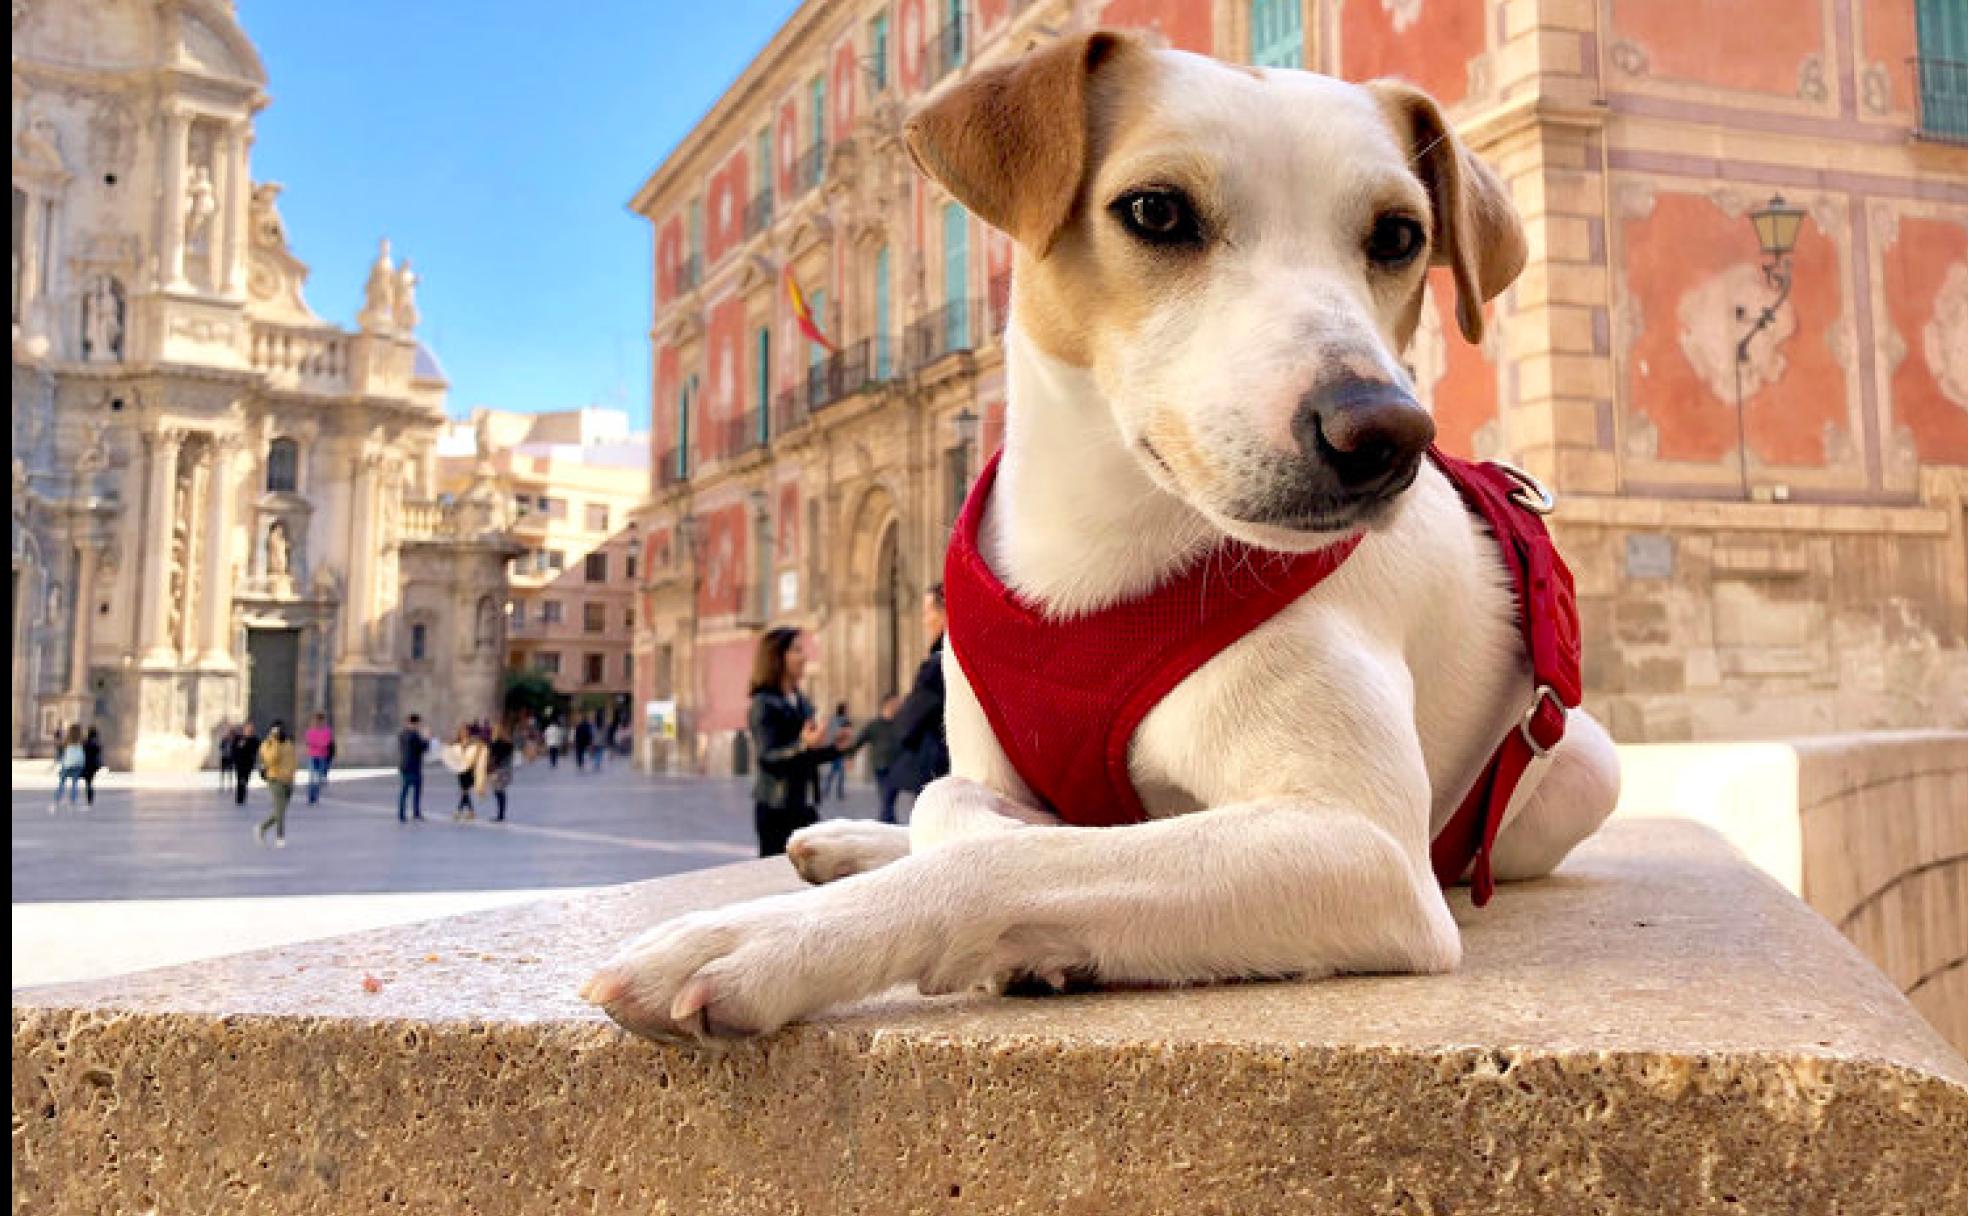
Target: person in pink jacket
{"points": [[320, 744]]}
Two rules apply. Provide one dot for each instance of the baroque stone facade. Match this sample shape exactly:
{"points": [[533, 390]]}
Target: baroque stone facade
{"points": [[1790, 561], [220, 500]]}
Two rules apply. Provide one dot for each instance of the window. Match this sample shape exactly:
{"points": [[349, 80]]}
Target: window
{"points": [[593, 669], [696, 233], [553, 508], [419, 642], [594, 568], [550, 612], [556, 560], [628, 618], [628, 669], [283, 474], [516, 615], [547, 662], [1943, 64], [522, 503], [956, 277], [817, 99], [762, 165], [1277, 33], [878, 50], [684, 397], [881, 313], [594, 618], [597, 517], [816, 353], [630, 572], [762, 374]]}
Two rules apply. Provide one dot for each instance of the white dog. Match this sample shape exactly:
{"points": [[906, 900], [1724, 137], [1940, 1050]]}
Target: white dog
{"points": [[1217, 267]]}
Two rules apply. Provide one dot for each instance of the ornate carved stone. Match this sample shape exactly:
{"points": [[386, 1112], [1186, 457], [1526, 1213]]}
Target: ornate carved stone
{"points": [[1811, 79], [102, 320]]}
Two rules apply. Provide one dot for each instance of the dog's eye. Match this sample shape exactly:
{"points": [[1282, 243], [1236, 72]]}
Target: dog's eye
{"points": [[1395, 240], [1160, 217]]}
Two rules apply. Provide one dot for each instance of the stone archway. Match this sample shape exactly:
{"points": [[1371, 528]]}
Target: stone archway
{"points": [[872, 601]]}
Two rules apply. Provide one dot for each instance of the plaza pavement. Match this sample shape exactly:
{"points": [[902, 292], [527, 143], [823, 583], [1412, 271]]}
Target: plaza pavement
{"points": [[165, 869]]}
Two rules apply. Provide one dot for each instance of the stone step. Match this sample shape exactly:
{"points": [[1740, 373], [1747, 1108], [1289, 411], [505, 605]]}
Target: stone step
{"points": [[1659, 1028]]}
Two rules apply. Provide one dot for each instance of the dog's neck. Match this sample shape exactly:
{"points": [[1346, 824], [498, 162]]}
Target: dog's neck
{"points": [[1075, 523]]}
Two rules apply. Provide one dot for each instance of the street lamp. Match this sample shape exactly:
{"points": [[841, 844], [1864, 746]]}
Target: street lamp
{"points": [[1776, 224]]}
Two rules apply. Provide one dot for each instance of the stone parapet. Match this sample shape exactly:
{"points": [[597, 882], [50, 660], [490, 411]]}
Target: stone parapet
{"points": [[1658, 1028]]}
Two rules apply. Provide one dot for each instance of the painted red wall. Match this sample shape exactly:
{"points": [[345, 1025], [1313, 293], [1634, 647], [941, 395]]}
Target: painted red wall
{"points": [[844, 90], [726, 382], [725, 668], [1928, 257], [788, 137], [1433, 52], [1465, 397], [1756, 46], [1186, 24], [786, 531], [909, 32], [669, 378], [721, 589], [1672, 252], [669, 255], [724, 208]]}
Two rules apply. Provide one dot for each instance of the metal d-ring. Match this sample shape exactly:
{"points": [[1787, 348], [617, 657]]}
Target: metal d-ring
{"points": [[1530, 493]]}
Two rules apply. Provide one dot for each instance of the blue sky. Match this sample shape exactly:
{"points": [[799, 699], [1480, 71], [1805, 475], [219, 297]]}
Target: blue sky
{"points": [[496, 144]]}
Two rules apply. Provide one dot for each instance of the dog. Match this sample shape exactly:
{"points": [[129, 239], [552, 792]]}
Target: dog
{"points": [[1216, 269]]}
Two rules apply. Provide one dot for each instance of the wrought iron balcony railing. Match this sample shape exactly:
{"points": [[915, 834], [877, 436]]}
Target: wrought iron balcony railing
{"points": [[758, 213], [810, 167], [672, 467], [689, 273]]}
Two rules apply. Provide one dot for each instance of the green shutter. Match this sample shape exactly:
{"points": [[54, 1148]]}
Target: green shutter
{"points": [[1943, 31], [817, 304], [1277, 33], [763, 374], [683, 428], [762, 160], [956, 277], [818, 89], [878, 48], [881, 313]]}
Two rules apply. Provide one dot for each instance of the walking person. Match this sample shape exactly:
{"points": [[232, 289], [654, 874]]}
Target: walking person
{"points": [[583, 740], [278, 763], [320, 742], [411, 744], [92, 761], [789, 744], [228, 739], [499, 767], [466, 757], [69, 763], [923, 751], [835, 776], [245, 755], [555, 737], [883, 743]]}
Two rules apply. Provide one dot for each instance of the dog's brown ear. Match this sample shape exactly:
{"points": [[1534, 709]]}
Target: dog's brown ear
{"points": [[1477, 233], [1010, 143]]}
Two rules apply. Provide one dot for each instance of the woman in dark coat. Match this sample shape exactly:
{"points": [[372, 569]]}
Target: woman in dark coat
{"points": [[789, 744]]}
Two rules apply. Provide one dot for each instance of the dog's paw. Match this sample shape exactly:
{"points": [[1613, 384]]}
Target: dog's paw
{"points": [[840, 847], [724, 974]]}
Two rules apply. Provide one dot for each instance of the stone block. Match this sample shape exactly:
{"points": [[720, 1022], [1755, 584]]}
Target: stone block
{"points": [[1657, 1028]]}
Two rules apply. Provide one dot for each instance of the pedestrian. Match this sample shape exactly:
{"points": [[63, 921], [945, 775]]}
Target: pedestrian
{"points": [[70, 760], [880, 738], [583, 740], [923, 753], [555, 737], [836, 773], [92, 761], [411, 744], [277, 764], [604, 739], [790, 746], [466, 757], [499, 762], [228, 739], [245, 754], [320, 742]]}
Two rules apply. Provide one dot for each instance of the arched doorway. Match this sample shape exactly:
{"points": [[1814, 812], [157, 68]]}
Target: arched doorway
{"points": [[872, 602], [889, 606]]}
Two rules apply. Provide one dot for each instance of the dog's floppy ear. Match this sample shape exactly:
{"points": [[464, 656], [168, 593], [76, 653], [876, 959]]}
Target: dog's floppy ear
{"points": [[1010, 143], [1477, 233]]}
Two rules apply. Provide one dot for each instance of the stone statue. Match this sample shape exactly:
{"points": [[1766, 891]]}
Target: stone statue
{"points": [[378, 313], [406, 298], [201, 204], [102, 321], [279, 556], [269, 230]]}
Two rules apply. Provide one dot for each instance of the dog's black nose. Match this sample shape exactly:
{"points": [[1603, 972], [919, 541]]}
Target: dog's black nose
{"points": [[1370, 433]]}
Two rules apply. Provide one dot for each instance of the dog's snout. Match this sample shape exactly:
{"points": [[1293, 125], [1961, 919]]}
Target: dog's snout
{"points": [[1368, 432]]}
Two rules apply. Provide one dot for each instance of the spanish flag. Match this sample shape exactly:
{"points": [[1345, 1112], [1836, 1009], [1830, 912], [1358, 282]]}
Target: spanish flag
{"points": [[802, 313]]}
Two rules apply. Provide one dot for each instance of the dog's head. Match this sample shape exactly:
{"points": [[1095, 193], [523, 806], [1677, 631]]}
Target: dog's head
{"points": [[1236, 255]]}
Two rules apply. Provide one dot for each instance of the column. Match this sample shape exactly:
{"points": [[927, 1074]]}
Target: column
{"points": [[216, 626], [156, 587], [87, 551], [361, 557], [170, 244], [29, 287], [236, 196]]}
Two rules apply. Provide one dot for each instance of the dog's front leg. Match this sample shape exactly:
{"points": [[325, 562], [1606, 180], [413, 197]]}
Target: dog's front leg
{"points": [[1277, 887]]}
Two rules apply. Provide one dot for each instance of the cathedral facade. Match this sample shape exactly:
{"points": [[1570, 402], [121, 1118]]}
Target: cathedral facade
{"points": [[222, 504]]}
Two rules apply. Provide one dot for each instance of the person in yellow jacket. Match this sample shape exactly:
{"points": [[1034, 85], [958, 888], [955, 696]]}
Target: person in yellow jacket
{"points": [[277, 764]]}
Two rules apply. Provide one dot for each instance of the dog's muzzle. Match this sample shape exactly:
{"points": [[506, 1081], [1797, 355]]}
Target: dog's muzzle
{"points": [[1367, 436]]}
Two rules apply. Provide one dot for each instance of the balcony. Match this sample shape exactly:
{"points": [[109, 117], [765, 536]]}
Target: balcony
{"points": [[758, 213], [810, 167], [735, 436], [689, 273], [1943, 100], [945, 331], [306, 359], [672, 468]]}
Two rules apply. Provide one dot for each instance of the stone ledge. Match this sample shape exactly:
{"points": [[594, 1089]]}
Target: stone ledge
{"points": [[1658, 1028]]}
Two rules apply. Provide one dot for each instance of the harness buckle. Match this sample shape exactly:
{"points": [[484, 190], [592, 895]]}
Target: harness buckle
{"points": [[1524, 725], [1530, 493]]}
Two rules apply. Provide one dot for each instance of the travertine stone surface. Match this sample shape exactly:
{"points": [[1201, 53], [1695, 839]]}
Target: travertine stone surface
{"points": [[1657, 1029]]}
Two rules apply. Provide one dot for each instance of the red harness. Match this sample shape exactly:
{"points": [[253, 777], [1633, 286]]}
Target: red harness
{"points": [[1064, 695]]}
